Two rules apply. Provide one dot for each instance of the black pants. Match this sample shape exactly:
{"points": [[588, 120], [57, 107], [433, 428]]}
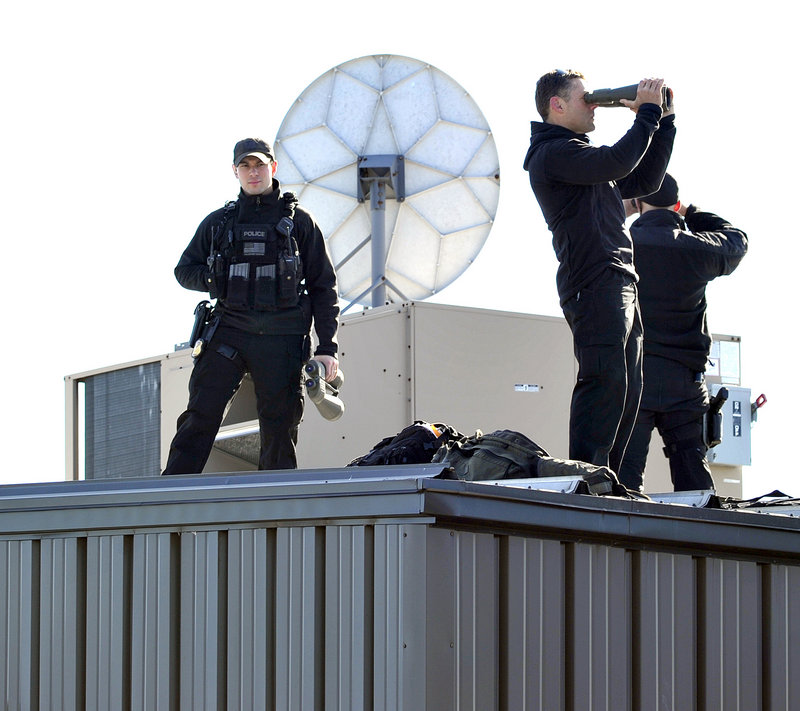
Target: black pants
{"points": [[675, 401], [274, 363], [607, 333]]}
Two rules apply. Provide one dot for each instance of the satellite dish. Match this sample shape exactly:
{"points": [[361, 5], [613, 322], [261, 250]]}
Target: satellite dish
{"points": [[399, 167]]}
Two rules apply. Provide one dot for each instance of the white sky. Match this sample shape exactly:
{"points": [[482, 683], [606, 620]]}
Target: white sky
{"points": [[118, 124]]}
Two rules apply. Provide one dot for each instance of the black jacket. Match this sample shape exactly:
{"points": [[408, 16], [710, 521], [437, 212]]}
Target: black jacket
{"points": [[318, 302], [580, 189], [675, 261]]}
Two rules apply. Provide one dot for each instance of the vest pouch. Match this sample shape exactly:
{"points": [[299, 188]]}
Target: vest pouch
{"points": [[265, 288], [238, 281], [288, 275]]}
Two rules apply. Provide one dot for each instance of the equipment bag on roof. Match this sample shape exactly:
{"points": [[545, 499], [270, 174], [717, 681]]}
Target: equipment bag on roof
{"points": [[502, 454], [415, 444], [506, 454]]}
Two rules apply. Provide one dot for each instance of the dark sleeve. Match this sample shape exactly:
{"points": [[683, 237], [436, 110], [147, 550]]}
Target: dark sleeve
{"points": [[579, 163], [646, 178], [320, 283], [721, 245], [192, 271]]}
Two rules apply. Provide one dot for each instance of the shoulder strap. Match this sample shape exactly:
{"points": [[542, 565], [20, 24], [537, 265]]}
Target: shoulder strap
{"points": [[227, 213]]}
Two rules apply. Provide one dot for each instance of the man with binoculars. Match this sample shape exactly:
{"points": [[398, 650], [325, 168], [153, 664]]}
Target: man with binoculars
{"points": [[580, 189]]}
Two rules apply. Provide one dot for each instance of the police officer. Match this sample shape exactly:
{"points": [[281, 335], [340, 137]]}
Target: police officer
{"points": [[678, 250], [264, 259]]}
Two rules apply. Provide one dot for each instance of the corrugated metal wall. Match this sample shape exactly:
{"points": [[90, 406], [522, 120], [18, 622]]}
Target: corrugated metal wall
{"points": [[388, 615]]}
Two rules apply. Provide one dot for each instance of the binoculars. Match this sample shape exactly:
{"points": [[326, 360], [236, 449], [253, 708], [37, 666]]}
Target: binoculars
{"points": [[611, 97], [323, 394]]}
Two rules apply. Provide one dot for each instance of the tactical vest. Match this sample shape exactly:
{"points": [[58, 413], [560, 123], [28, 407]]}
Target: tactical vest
{"points": [[261, 267]]}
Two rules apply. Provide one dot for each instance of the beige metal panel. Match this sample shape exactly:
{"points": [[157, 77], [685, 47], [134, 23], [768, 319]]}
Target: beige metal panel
{"points": [[299, 618], [665, 640], [375, 357], [62, 623], [200, 648], [348, 618], [489, 370], [107, 623], [18, 571], [176, 368], [154, 624], [532, 617], [72, 420], [782, 674], [732, 635], [598, 628]]}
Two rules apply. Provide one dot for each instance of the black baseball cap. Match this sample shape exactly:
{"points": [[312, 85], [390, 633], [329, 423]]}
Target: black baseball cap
{"points": [[666, 195], [252, 147]]}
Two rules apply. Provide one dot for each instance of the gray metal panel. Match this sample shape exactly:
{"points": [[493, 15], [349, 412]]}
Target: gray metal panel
{"points": [[414, 616], [348, 618], [665, 642], [638, 523], [462, 614], [154, 633], [399, 627], [532, 617], [550, 601], [782, 672], [107, 624], [598, 628], [251, 619], [63, 623], [299, 619], [200, 650], [214, 500], [18, 571], [731, 626]]}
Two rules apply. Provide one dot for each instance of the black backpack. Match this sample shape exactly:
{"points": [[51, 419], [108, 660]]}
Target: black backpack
{"points": [[415, 444], [502, 454]]}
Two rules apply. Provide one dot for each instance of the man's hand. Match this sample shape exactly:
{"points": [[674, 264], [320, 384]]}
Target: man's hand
{"points": [[649, 92], [331, 366]]}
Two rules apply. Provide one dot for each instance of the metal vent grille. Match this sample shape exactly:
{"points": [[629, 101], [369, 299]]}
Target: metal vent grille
{"points": [[123, 423]]}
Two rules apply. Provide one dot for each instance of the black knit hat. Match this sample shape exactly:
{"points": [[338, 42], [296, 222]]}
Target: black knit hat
{"points": [[252, 147], [666, 195]]}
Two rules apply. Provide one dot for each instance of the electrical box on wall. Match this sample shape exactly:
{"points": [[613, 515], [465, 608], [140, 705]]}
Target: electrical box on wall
{"points": [[734, 449]]}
